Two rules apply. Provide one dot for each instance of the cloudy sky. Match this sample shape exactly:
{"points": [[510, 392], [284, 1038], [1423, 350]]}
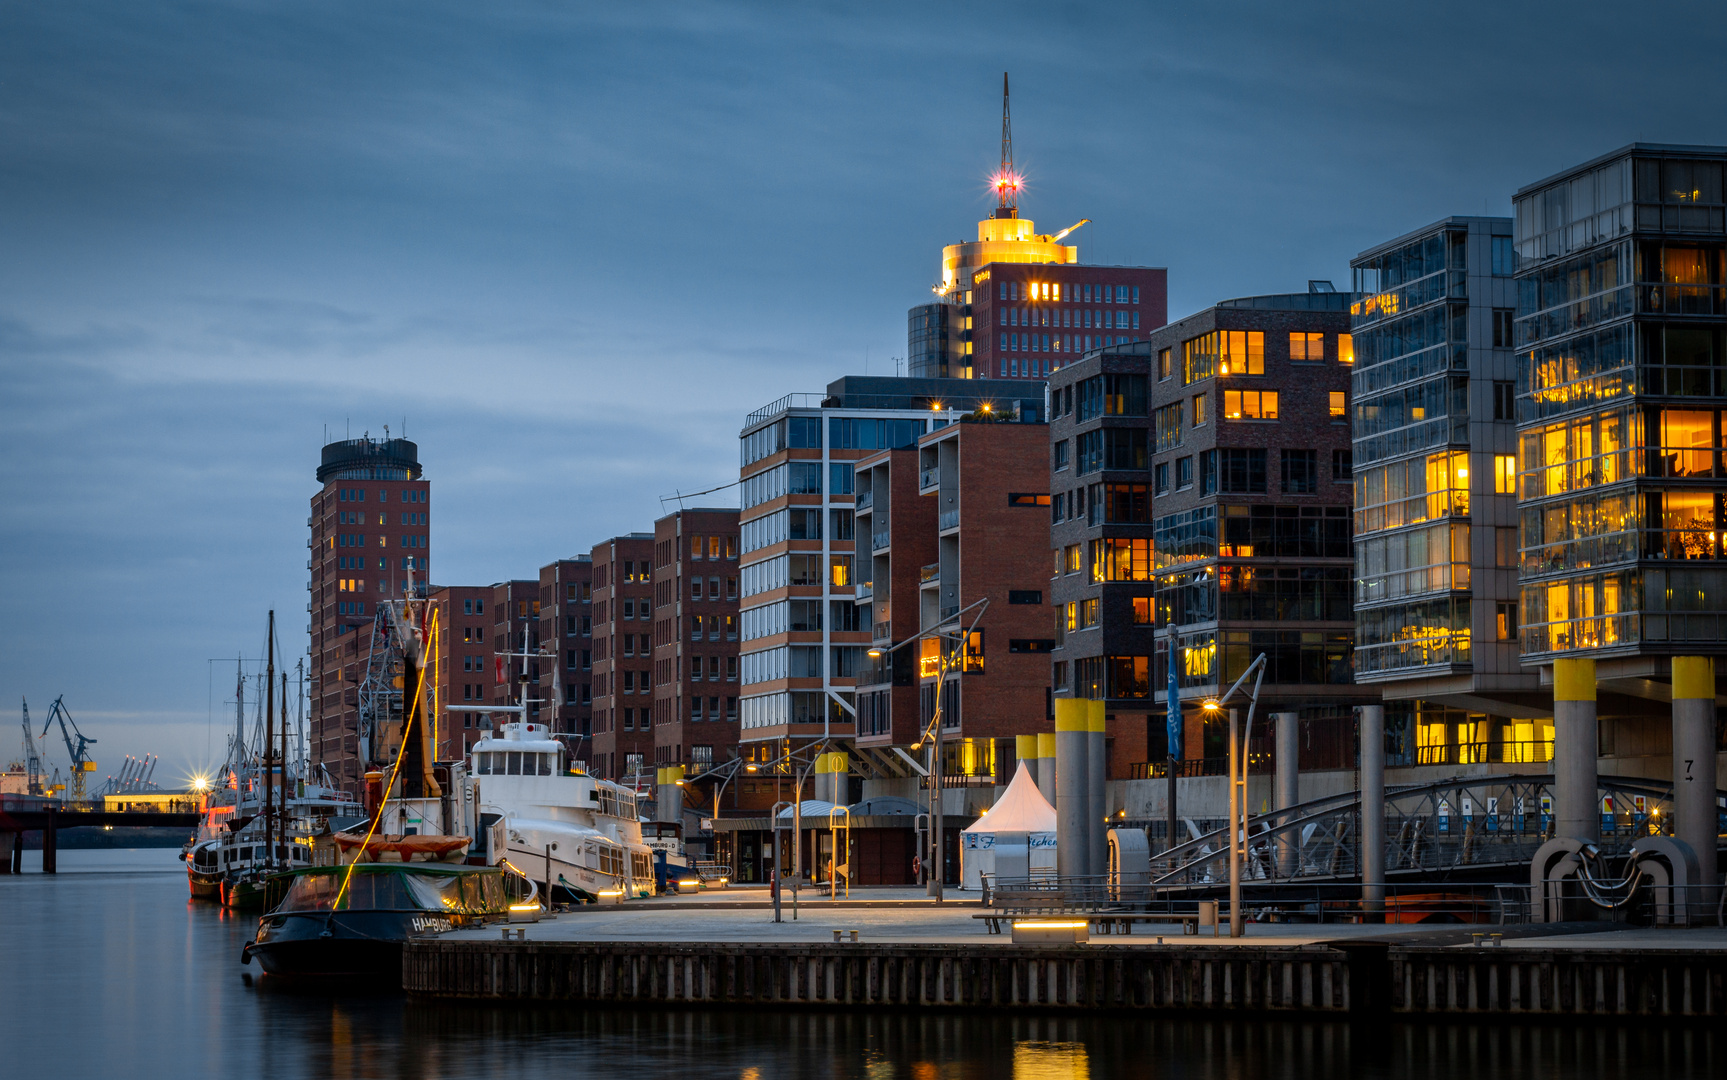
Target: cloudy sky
{"points": [[569, 246]]}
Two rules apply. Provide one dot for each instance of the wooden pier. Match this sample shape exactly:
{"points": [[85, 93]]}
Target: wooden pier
{"points": [[1359, 978]]}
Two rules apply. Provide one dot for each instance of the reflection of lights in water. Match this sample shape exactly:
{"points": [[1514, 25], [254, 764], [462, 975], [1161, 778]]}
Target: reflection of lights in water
{"points": [[751, 1073], [1050, 1061]]}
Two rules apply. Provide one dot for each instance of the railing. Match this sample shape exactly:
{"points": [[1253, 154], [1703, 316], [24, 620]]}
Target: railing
{"points": [[879, 540], [929, 478], [863, 500], [949, 612], [960, 782], [931, 572], [1494, 753], [949, 519], [790, 401], [865, 590], [1188, 768], [882, 631]]}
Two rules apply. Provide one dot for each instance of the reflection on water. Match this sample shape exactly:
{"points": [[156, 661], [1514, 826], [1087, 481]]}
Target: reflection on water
{"points": [[118, 975]]}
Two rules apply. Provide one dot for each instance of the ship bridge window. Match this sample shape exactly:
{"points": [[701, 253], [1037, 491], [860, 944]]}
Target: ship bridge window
{"points": [[513, 763]]}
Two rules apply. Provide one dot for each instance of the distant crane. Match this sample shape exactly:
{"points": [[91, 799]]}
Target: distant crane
{"points": [[32, 760], [82, 764]]}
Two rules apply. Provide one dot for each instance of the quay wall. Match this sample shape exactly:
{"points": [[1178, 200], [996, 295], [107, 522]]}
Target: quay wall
{"points": [[1361, 980]]}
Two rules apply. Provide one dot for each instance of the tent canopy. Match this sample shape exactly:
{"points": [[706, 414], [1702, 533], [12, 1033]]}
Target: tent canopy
{"points": [[1022, 809]]}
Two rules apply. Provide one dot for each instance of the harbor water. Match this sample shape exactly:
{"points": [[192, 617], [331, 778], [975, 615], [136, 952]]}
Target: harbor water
{"points": [[108, 970]]}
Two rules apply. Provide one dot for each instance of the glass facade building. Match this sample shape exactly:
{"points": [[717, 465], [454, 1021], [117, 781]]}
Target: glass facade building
{"points": [[1620, 398]]}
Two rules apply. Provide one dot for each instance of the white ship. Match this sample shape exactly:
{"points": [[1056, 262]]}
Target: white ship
{"points": [[577, 835]]}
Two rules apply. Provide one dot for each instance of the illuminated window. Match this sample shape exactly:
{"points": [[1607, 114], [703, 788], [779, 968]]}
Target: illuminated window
{"points": [[1242, 352], [1144, 611], [1126, 560], [1505, 474], [1338, 407], [1303, 346], [1165, 364], [1088, 610], [1070, 612], [1346, 348], [1168, 424], [1073, 558], [1199, 410], [1250, 404]]}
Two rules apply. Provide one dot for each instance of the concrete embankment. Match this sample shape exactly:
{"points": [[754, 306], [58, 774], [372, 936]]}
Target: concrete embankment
{"points": [[1363, 978]]}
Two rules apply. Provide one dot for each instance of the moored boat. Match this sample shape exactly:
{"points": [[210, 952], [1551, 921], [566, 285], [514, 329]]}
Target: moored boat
{"points": [[352, 921]]}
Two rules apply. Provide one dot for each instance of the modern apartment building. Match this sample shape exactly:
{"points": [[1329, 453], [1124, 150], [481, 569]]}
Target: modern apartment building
{"points": [[465, 671], [623, 687], [369, 540], [695, 656], [800, 628], [957, 536], [566, 635], [1621, 390], [1436, 543], [1201, 482]]}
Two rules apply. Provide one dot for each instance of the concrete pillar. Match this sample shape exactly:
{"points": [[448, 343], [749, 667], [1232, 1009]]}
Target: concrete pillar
{"points": [[669, 797], [50, 846], [831, 770], [7, 841], [1097, 798], [1072, 796], [1695, 818], [1025, 748], [18, 852], [1576, 809], [1371, 735], [1046, 765], [1288, 784]]}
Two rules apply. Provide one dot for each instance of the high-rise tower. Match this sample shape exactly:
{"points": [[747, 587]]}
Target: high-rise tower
{"points": [[369, 541], [1013, 277]]}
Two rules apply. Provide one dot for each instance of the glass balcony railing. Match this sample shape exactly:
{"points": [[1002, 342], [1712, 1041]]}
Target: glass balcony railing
{"points": [[929, 573], [929, 478], [879, 540], [950, 519]]}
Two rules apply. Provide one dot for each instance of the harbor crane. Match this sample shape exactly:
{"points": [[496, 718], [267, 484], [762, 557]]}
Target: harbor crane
{"points": [[32, 760], [82, 764]]}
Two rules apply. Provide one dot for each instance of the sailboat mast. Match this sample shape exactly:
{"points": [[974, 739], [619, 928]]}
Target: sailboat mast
{"points": [[269, 738]]}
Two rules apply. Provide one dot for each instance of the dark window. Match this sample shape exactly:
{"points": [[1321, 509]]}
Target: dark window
{"points": [[1124, 395], [1124, 448], [804, 432], [1184, 472], [1030, 645], [1300, 472], [1127, 503], [1502, 327], [1024, 596], [1208, 472], [1090, 452], [1504, 402], [1341, 464], [1090, 399], [1161, 477], [1241, 470]]}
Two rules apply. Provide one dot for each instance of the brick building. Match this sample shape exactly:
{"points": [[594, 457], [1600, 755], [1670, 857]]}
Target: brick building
{"points": [[1251, 478], [464, 670], [567, 637], [369, 539], [622, 677], [515, 608], [695, 688], [896, 538]]}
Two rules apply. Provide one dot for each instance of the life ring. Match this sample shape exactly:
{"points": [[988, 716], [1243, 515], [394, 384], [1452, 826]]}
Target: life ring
{"points": [[916, 865]]}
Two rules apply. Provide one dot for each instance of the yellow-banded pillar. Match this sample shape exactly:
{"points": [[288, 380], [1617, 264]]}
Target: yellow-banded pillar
{"points": [[1025, 749], [830, 778], [1072, 801], [1695, 817], [1576, 739], [1046, 765], [1097, 789], [669, 795]]}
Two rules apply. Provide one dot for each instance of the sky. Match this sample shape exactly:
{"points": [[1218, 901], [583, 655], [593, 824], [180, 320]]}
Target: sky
{"points": [[566, 248]]}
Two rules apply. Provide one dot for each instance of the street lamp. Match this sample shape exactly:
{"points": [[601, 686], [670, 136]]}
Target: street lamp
{"points": [[1238, 783], [946, 660]]}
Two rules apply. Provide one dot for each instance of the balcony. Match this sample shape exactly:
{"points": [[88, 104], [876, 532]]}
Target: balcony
{"points": [[785, 404], [864, 500], [865, 590], [929, 573], [949, 520], [883, 631], [879, 541], [949, 612], [929, 478]]}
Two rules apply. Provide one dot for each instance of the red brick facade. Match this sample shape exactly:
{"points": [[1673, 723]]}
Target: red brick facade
{"points": [[695, 705], [623, 598], [1030, 318]]}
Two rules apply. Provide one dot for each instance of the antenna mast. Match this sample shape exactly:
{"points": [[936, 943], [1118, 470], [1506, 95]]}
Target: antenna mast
{"points": [[1006, 179]]}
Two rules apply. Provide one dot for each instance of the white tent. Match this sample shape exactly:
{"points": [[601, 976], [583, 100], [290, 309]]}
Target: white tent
{"points": [[1021, 813]]}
